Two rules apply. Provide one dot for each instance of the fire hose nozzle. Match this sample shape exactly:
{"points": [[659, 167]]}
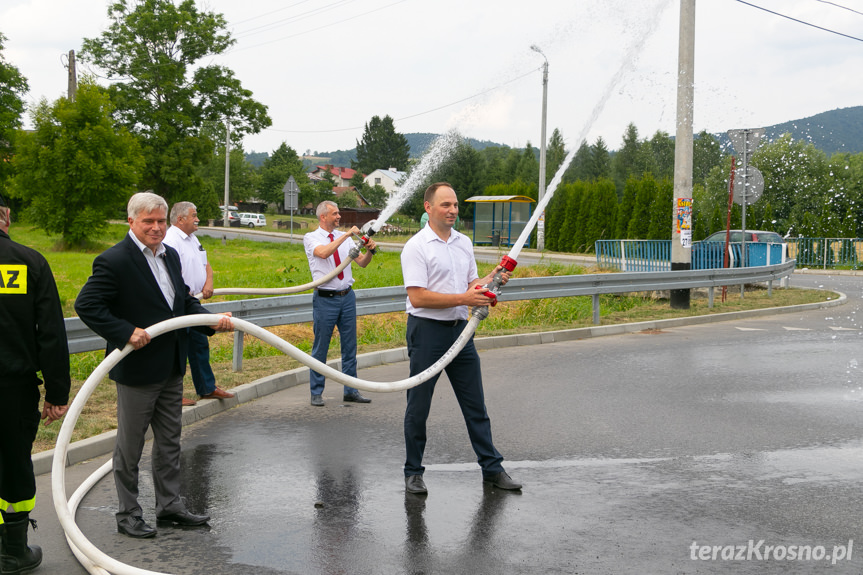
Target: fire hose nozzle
{"points": [[368, 228], [508, 263], [368, 231], [363, 241]]}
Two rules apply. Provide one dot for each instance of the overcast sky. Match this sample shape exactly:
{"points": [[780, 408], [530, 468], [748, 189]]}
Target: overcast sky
{"points": [[325, 67]]}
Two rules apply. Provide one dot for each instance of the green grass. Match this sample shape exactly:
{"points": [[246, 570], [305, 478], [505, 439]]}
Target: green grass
{"points": [[243, 263]]}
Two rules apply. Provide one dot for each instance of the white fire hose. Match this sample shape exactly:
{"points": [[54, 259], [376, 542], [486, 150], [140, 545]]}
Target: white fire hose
{"points": [[99, 563]]}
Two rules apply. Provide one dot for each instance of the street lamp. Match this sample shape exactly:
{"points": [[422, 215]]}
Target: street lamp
{"points": [[540, 226]]}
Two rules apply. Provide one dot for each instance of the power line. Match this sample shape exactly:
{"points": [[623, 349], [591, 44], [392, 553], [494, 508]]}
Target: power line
{"points": [[271, 12], [310, 30], [477, 95], [840, 6], [234, 37], [291, 19], [801, 21]]}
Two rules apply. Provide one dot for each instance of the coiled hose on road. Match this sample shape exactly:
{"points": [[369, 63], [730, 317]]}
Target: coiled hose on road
{"points": [[99, 563]]}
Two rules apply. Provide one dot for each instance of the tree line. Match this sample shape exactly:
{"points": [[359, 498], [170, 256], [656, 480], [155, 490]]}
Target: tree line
{"points": [[628, 194]]}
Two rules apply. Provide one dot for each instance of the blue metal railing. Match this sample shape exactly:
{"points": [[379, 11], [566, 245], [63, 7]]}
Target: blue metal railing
{"points": [[826, 253], [655, 255], [634, 255]]}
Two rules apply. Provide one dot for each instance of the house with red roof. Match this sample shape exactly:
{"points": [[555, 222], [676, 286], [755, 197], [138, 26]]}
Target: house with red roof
{"points": [[342, 176]]}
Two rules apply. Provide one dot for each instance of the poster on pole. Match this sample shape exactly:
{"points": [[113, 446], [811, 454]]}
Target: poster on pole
{"points": [[683, 219]]}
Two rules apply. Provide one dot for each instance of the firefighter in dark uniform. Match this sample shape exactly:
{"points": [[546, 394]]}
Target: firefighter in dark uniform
{"points": [[32, 339]]}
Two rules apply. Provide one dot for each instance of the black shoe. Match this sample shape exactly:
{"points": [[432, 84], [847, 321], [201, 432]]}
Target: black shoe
{"points": [[502, 481], [317, 401], [356, 398], [415, 484], [16, 556], [184, 517], [136, 527]]}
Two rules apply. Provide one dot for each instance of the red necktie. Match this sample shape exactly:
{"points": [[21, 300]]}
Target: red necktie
{"points": [[337, 258]]}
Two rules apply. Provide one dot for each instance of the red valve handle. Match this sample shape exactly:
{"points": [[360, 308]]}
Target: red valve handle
{"points": [[489, 294]]}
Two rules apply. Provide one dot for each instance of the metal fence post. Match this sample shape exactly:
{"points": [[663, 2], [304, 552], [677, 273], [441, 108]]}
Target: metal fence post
{"points": [[237, 360], [595, 299]]}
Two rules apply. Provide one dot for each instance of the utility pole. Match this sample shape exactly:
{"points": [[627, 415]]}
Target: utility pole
{"points": [[681, 234], [72, 89], [540, 225], [227, 168]]}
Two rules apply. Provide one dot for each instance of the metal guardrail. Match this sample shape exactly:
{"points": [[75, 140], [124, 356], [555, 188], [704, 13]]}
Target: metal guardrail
{"points": [[283, 310]]}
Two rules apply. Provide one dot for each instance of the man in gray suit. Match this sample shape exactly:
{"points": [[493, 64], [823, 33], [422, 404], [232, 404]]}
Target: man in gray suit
{"points": [[135, 284]]}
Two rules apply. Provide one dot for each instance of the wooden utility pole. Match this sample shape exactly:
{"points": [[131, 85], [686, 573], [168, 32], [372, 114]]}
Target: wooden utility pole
{"points": [[681, 234], [73, 77], [227, 168]]}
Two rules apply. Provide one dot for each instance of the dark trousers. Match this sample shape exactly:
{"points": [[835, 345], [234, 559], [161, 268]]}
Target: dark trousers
{"points": [[427, 341], [329, 313], [19, 421], [155, 405], [199, 363]]}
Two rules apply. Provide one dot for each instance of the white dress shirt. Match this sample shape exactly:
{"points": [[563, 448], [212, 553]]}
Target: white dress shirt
{"points": [[439, 266], [320, 266], [159, 268], [193, 258]]}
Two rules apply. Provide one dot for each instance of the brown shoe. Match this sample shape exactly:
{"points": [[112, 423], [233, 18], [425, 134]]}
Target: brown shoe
{"points": [[218, 393], [188, 402]]}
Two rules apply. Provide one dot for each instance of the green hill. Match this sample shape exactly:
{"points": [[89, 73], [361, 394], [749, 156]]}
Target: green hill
{"points": [[831, 132], [835, 131]]}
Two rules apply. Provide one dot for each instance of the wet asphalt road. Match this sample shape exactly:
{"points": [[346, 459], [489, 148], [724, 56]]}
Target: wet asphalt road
{"points": [[636, 451]]}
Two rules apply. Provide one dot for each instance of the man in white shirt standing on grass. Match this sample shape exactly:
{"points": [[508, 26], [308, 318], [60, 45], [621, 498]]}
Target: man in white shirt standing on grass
{"points": [[198, 275], [334, 303]]}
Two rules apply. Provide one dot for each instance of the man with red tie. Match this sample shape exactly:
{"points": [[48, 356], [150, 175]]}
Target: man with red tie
{"points": [[334, 303]]}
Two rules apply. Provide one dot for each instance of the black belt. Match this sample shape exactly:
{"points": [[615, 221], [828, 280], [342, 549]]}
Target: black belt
{"points": [[332, 293], [443, 322]]}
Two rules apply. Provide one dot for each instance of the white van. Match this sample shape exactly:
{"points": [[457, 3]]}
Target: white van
{"points": [[252, 220]]}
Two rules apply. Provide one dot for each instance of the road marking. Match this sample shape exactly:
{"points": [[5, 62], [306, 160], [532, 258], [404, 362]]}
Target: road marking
{"points": [[796, 328], [751, 329], [842, 328]]}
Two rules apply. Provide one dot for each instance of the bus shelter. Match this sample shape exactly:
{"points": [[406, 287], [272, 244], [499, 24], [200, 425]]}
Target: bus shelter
{"points": [[499, 220]]}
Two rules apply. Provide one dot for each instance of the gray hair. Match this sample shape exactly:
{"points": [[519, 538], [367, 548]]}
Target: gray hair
{"points": [[4, 217], [145, 202], [179, 210], [322, 207]]}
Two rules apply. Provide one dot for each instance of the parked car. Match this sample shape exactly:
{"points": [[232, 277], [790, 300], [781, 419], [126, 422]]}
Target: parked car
{"points": [[710, 252], [233, 216], [252, 220], [755, 236]]}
